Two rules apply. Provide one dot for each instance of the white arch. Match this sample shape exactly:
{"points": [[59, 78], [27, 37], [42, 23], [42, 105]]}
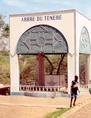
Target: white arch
{"points": [[84, 44]]}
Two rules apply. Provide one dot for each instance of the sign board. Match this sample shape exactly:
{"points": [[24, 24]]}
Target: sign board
{"points": [[40, 18]]}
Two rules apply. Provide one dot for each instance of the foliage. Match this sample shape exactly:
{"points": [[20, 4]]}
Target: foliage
{"points": [[1, 21], [4, 68], [6, 30], [27, 68], [55, 59], [4, 27]]}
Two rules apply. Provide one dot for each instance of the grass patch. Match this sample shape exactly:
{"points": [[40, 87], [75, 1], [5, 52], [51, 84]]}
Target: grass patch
{"points": [[57, 113]]}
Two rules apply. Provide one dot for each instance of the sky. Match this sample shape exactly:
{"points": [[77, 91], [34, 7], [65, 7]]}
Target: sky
{"points": [[8, 7]]}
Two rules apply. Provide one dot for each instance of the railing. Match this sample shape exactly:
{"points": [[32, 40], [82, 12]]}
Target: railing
{"points": [[84, 86], [42, 88]]}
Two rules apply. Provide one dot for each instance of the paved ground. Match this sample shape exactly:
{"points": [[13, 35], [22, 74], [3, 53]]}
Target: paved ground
{"points": [[81, 110], [84, 112], [35, 107]]}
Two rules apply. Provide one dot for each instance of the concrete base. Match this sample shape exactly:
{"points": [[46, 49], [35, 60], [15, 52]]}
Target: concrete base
{"points": [[40, 94], [16, 93]]}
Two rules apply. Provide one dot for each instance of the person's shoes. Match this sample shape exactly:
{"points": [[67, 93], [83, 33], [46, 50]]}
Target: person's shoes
{"points": [[70, 105], [73, 104]]}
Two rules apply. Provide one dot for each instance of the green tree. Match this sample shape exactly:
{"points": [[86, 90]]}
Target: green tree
{"points": [[1, 21], [6, 30]]}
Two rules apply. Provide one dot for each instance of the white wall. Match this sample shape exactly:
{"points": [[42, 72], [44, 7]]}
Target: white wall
{"points": [[18, 27], [82, 21], [65, 25]]}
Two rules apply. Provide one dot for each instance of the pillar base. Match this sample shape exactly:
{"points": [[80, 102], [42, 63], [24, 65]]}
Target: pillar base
{"points": [[17, 93]]}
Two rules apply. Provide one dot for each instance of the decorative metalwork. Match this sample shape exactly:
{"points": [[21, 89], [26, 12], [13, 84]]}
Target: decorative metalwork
{"points": [[85, 44], [42, 38]]}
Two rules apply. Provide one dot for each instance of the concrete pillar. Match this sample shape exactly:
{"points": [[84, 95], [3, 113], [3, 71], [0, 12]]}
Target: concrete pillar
{"points": [[71, 70], [14, 74], [89, 68], [77, 64]]}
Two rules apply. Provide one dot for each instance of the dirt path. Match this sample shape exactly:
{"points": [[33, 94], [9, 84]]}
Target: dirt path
{"points": [[33, 107], [29, 107], [23, 112]]}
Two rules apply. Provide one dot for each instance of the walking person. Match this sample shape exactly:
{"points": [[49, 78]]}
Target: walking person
{"points": [[74, 89]]}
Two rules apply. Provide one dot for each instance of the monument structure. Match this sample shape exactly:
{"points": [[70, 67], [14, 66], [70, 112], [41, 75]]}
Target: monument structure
{"points": [[66, 32]]}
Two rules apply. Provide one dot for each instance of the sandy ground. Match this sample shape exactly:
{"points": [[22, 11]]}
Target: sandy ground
{"points": [[23, 112], [29, 107], [33, 107]]}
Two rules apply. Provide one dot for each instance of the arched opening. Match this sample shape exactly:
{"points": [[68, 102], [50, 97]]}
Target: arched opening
{"points": [[46, 49], [85, 51]]}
